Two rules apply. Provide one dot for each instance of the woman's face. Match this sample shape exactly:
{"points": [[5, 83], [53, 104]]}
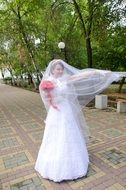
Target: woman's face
{"points": [[57, 70]]}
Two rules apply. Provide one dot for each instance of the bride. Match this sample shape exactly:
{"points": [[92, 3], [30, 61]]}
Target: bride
{"points": [[64, 89]]}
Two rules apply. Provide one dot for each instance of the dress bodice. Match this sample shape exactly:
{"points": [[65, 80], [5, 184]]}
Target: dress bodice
{"points": [[59, 92]]}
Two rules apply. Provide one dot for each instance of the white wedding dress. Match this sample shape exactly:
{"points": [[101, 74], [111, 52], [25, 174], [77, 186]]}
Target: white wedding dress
{"points": [[63, 153]]}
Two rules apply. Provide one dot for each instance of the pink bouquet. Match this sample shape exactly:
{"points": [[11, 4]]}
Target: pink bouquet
{"points": [[47, 85]]}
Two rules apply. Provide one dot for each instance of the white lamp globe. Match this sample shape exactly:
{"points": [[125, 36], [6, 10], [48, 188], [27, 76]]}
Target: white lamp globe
{"points": [[61, 45], [37, 41]]}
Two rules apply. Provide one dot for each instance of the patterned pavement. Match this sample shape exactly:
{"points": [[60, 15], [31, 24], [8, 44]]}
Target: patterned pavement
{"points": [[21, 130]]}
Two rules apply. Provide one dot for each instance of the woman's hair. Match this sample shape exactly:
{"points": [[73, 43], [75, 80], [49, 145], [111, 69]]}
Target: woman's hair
{"points": [[56, 62]]}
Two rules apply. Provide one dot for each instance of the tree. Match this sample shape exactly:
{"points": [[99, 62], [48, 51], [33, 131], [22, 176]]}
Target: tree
{"points": [[88, 28]]}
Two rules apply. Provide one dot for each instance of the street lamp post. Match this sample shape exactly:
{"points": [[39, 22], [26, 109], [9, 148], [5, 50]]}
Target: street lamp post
{"points": [[39, 74], [61, 46]]}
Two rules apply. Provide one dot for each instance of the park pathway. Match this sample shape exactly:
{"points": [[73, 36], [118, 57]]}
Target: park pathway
{"points": [[21, 129]]}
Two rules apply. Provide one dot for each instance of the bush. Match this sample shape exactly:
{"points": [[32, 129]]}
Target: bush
{"points": [[7, 80], [23, 84]]}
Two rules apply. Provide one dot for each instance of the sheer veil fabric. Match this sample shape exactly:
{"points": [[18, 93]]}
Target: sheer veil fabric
{"points": [[85, 83], [79, 86], [63, 153]]}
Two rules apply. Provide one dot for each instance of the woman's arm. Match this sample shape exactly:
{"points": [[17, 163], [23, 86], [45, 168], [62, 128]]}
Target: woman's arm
{"points": [[88, 74], [82, 75]]}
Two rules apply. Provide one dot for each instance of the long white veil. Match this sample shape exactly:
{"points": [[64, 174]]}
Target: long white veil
{"points": [[82, 86], [85, 83]]}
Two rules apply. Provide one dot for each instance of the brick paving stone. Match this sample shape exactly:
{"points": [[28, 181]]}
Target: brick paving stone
{"points": [[30, 184], [21, 129], [15, 160], [36, 136]]}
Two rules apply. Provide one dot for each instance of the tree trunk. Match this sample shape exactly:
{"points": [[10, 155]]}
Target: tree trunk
{"points": [[26, 41], [30, 81], [89, 52], [12, 78], [86, 31], [30, 52], [121, 84], [2, 73]]}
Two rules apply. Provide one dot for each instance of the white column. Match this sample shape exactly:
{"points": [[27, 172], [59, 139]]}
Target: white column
{"points": [[121, 107], [101, 101]]}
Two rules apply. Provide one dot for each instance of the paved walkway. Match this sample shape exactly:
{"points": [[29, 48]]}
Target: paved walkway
{"points": [[21, 130]]}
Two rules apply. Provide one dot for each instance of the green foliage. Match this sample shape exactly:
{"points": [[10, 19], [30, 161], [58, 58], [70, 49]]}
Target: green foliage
{"points": [[22, 22], [111, 53], [7, 78]]}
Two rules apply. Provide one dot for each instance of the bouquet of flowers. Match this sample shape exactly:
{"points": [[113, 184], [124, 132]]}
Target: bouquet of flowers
{"points": [[47, 86]]}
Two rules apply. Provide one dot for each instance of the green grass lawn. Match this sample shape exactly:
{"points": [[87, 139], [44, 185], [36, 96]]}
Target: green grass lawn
{"points": [[113, 88]]}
